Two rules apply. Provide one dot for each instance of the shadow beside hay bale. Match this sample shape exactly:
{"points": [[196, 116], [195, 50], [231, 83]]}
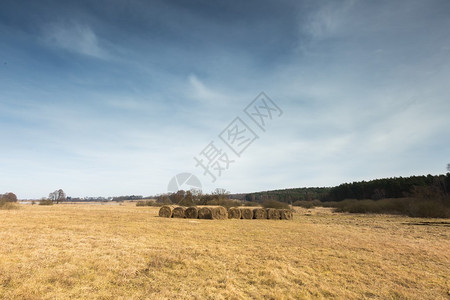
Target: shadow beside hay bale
{"points": [[191, 212], [166, 211], [234, 213]]}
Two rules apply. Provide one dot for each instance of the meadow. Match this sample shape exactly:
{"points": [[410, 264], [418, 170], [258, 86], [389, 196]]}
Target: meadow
{"points": [[127, 252]]}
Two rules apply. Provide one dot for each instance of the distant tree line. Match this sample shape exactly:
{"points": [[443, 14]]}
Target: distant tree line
{"points": [[286, 195], [193, 197], [130, 197], [87, 199], [396, 187], [377, 189], [196, 197], [105, 199], [219, 197]]}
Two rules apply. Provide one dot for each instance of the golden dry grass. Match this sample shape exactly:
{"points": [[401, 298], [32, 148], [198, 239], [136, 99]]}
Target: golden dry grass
{"points": [[127, 252]]}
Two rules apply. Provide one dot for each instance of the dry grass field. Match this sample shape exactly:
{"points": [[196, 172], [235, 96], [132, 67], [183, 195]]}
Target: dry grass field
{"points": [[127, 252]]}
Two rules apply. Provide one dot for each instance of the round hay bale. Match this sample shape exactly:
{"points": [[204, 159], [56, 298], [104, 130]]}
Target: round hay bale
{"points": [[219, 213], [246, 213], [178, 212], [166, 211], [273, 214], [286, 214], [259, 213], [191, 212], [234, 213], [205, 213]]}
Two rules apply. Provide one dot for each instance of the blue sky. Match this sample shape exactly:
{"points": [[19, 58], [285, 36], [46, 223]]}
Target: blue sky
{"points": [[107, 98]]}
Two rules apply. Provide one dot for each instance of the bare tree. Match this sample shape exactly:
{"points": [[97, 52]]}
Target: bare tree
{"points": [[221, 194], [164, 199], [187, 200], [8, 197], [448, 167], [57, 196], [177, 197], [196, 194]]}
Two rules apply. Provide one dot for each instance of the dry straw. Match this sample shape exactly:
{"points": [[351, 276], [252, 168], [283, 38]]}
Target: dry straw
{"points": [[219, 213], [234, 213], [273, 214], [191, 212], [213, 212], [286, 214], [178, 212], [205, 213], [166, 211], [259, 213], [246, 213]]}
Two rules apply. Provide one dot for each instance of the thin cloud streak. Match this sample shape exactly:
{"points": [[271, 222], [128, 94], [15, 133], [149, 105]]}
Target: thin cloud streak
{"points": [[74, 37]]}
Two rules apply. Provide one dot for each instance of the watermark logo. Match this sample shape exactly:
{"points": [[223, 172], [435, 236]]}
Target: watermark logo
{"points": [[213, 161], [184, 181], [262, 110], [238, 136]]}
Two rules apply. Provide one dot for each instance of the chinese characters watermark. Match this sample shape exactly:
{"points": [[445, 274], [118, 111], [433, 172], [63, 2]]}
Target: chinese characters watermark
{"points": [[184, 181], [262, 110], [213, 159], [237, 136]]}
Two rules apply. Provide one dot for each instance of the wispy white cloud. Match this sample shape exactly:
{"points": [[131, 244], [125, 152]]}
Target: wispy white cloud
{"points": [[328, 19], [75, 37], [200, 92]]}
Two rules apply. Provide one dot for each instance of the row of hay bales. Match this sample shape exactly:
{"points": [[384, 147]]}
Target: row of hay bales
{"points": [[221, 213]]}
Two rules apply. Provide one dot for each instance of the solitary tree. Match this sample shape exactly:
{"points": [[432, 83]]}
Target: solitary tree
{"points": [[8, 197], [57, 196]]}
